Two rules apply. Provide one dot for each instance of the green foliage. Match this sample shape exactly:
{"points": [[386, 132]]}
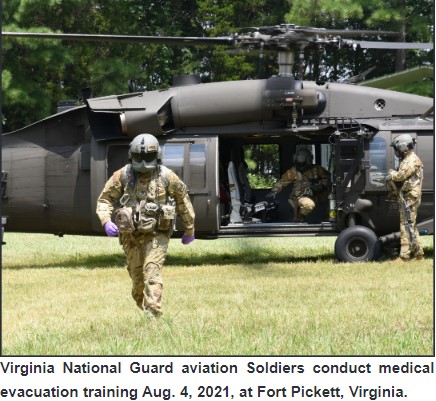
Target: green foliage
{"points": [[258, 181], [39, 73], [6, 79], [422, 88], [411, 18], [46, 71], [224, 17], [322, 12], [34, 78], [263, 165]]}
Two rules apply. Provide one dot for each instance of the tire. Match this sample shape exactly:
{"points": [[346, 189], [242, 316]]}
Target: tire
{"points": [[357, 244]]}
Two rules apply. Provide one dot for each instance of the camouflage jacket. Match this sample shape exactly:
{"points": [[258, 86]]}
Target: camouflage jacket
{"points": [[410, 174], [158, 188], [303, 181]]}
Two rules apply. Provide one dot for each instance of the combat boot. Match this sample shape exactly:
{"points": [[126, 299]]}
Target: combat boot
{"points": [[151, 312], [419, 257], [300, 218]]}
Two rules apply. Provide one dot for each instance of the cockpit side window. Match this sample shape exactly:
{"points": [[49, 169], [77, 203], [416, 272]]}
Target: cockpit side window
{"points": [[197, 163], [173, 157], [377, 157]]}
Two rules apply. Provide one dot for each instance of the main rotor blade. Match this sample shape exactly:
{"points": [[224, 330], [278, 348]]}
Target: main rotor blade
{"points": [[248, 40], [226, 40], [348, 33], [394, 45]]}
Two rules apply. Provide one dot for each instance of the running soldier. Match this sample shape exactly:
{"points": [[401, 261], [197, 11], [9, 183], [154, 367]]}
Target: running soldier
{"points": [[310, 184], [406, 185], [142, 198]]}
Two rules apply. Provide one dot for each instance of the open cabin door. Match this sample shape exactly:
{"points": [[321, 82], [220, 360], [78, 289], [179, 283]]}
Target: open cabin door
{"points": [[195, 161]]}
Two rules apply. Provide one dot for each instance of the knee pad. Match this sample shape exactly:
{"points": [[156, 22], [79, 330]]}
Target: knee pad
{"points": [[306, 205]]}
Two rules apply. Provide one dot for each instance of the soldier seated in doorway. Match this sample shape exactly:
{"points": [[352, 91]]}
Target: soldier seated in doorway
{"points": [[310, 184]]}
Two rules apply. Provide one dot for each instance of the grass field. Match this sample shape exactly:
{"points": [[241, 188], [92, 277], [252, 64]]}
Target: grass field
{"points": [[261, 296]]}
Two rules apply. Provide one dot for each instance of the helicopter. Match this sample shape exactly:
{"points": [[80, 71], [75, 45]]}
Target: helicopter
{"points": [[53, 170]]}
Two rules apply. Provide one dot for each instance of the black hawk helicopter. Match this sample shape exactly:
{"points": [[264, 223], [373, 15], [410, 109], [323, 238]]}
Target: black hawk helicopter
{"points": [[53, 170]]}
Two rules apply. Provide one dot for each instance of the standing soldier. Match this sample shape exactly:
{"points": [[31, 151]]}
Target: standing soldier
{"points": [[142, 194], [406, 183], [311, 184]]}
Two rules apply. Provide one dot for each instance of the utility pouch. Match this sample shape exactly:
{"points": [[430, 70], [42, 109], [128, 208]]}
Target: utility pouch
{"points": [[148, 208], [145, 218], [123, 219], [144, 224], [166, 217]]}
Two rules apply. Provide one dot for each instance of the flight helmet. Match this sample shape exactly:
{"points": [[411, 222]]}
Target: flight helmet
{"points": [[302, 158], [403, 143], [144, 153]]}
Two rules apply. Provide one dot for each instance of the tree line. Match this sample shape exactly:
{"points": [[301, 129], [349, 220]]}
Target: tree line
{"points": [[37, 74]]}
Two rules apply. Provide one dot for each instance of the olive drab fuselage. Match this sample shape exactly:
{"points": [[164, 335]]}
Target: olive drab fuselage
{"points": [[54, 170]]}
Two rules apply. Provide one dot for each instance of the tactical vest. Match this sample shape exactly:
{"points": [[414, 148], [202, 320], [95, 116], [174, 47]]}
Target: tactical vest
{"points": [[145, 206], [309, 183], [414, 182]]}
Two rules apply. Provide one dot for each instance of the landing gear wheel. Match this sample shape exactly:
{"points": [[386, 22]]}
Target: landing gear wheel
{"points": [[357, 244]]}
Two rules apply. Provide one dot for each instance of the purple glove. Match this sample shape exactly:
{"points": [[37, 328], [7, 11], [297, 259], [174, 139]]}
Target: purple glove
{"points": [[111, 229], [187, 239]]}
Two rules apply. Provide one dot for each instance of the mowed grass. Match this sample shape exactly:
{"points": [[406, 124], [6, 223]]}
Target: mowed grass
{"points": [[259, 296]]}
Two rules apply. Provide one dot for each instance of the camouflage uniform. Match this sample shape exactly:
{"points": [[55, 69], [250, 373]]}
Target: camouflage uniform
{"points": [[310, 185], [146, 251], [409, 175]]}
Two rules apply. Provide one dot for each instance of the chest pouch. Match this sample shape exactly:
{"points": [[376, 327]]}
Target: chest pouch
{"points": [[145, 218], [166, 217], [123, 219]]}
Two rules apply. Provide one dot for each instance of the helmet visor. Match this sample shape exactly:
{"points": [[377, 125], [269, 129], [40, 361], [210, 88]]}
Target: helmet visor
{"points": [[301, 159], [146, 157]]}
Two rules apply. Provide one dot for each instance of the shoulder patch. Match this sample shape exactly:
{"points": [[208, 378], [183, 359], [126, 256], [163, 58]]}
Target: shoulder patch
{"points": [[181, 187]]}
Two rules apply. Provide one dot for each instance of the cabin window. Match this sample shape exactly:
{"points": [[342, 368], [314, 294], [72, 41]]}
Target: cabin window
{"points": [[197, 163], [377, 157], [262, 164], [173, 158]]}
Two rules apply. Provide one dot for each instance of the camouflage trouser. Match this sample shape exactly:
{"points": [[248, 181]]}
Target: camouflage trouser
{"points": [[302, 207], [407, 250], [145, 259]]}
